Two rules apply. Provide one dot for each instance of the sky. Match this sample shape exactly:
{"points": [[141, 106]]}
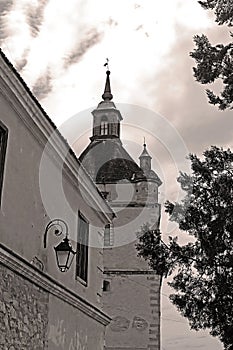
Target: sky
{"points": [[60, 48]]}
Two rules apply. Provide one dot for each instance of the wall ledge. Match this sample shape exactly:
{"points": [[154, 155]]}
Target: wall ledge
{"points": [[22, 267]]}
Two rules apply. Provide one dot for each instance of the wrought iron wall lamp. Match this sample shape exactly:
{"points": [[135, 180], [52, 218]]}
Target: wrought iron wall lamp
{"points": [[64, 251]]}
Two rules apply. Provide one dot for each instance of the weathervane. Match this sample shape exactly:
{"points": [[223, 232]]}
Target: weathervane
{"points": [[106, 64]]}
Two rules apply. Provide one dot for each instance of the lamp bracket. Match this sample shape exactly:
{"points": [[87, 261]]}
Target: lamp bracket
{"points": [[60, 226]]}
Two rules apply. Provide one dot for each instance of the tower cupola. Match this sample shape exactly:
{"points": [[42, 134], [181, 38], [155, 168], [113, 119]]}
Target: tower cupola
{"points": [[106, 117], [145, 159]]}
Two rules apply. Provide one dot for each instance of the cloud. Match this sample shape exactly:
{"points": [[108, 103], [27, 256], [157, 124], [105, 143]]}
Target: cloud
{"points": [[35, 16], [90, 39], [136, 6], [183, 102], [43, 85], [5, 8], [22, 62], [139, 27], [112, 22]]}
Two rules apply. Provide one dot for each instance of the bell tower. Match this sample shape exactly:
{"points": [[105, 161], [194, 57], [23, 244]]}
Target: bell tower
{"points": [[131, 290], [106, 117]]}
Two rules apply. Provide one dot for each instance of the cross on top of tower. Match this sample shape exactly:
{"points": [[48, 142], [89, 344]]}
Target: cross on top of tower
{"points": [[106, 64]]}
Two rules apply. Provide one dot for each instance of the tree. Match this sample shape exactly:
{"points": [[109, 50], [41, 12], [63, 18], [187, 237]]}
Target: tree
{"points": [[203, 268], [216, 62]]}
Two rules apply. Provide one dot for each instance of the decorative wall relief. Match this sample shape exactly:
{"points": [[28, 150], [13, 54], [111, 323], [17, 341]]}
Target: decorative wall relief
{"points": [[139, 323], [57, 333], [37, 263], [119, 324], [78, 342]]}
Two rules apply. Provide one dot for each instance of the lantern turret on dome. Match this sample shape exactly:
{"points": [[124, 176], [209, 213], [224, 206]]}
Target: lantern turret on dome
{"points": [[145, 165], [106, 117], [145, 159]]}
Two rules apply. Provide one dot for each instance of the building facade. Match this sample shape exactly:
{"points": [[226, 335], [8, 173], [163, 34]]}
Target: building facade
{"points": [[109, 298], [131, 291], [40, 180]]}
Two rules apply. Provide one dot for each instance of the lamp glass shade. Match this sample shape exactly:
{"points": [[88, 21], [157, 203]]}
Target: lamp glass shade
{"points": [[64, 255]]}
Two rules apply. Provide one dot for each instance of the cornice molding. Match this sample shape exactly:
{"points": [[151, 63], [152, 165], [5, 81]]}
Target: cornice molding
{"points": [[135, 204], [20, 266], [130, 272]]}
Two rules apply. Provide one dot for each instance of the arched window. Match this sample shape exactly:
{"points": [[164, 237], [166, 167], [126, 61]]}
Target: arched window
{"points": [[108, 235], [104, 127]]}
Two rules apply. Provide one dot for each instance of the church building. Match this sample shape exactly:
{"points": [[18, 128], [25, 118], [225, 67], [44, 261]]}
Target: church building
{"points": [[131, 291]]}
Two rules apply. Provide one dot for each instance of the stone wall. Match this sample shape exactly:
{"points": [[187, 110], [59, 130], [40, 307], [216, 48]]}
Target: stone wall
{"points": [[23, 313]]}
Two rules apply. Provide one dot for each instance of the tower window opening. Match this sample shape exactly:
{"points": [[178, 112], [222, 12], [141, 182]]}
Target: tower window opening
{"points": [[107, 235], [104, 128], [106, 286]]}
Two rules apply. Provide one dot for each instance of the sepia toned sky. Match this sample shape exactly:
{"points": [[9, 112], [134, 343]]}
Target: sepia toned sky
{"points": [[59, 47]]}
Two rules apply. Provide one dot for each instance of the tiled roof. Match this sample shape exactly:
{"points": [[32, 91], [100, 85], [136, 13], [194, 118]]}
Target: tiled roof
{"points": [[107, 161]]}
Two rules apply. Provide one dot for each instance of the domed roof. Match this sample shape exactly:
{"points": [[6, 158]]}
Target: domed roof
{"points": [[108, 162], [118, 169], [152, 176]]}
